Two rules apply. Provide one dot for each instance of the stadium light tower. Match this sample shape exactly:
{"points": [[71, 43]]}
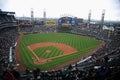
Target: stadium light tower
{"points": [[89, 19], [44, 16], [32, 15], [102, 18]]}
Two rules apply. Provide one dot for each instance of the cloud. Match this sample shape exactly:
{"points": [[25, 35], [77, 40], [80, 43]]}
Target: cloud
{"points": [[55, 8], [116, 7], [3, 3]]}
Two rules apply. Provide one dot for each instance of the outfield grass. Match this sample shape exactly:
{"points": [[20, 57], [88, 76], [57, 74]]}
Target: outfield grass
{"points": [[81, 43]]}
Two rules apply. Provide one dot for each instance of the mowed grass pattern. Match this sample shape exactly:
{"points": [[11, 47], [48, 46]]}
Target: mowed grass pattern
{"points": [[42, 52], [82, 43]]}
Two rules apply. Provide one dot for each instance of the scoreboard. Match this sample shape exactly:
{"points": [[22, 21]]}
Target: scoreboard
{"points": [[66, 21]]}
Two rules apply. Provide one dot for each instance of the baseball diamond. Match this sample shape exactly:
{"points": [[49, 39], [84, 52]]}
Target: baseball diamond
{"points": [[67, 47], [51, 50]]}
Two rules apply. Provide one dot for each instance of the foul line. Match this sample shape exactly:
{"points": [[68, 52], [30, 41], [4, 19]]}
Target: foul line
{"points": [[34, 53], [51, 57]]}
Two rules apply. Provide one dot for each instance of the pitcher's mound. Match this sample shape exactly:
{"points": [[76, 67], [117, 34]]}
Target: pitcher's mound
{"points": [[47, 51]]}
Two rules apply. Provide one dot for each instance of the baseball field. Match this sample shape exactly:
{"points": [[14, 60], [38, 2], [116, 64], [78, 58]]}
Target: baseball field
{"points": [[49, 50]]}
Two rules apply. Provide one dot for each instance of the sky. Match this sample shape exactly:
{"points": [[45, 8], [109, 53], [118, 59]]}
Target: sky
{"points": [[58, 8]]}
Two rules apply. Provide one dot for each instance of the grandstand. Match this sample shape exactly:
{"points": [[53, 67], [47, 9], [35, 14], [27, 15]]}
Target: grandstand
{"points": [[103, 64], [7, 18]]}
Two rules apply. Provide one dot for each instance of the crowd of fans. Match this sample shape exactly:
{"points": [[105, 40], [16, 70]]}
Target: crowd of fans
{"points": [[37, 29], [8, 37], [102, 65]]}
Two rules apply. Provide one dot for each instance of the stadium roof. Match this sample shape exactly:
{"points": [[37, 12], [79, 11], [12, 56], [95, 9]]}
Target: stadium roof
{"points": [[6, 12]]}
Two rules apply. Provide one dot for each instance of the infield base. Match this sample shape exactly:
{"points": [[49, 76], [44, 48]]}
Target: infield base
{"points": [[67, 50]]}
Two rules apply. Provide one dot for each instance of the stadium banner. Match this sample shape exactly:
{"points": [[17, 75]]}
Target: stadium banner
{"points": [[108, 27], [50, 23], [66, 24]]}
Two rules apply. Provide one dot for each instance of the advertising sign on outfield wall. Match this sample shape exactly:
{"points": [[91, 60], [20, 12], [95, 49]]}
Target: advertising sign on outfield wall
{"points": [[50, 23]]}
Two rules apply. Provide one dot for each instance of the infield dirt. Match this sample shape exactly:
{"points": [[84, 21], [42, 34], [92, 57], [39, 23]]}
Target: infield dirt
{"points": [[21, 67], [39, 60]]}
